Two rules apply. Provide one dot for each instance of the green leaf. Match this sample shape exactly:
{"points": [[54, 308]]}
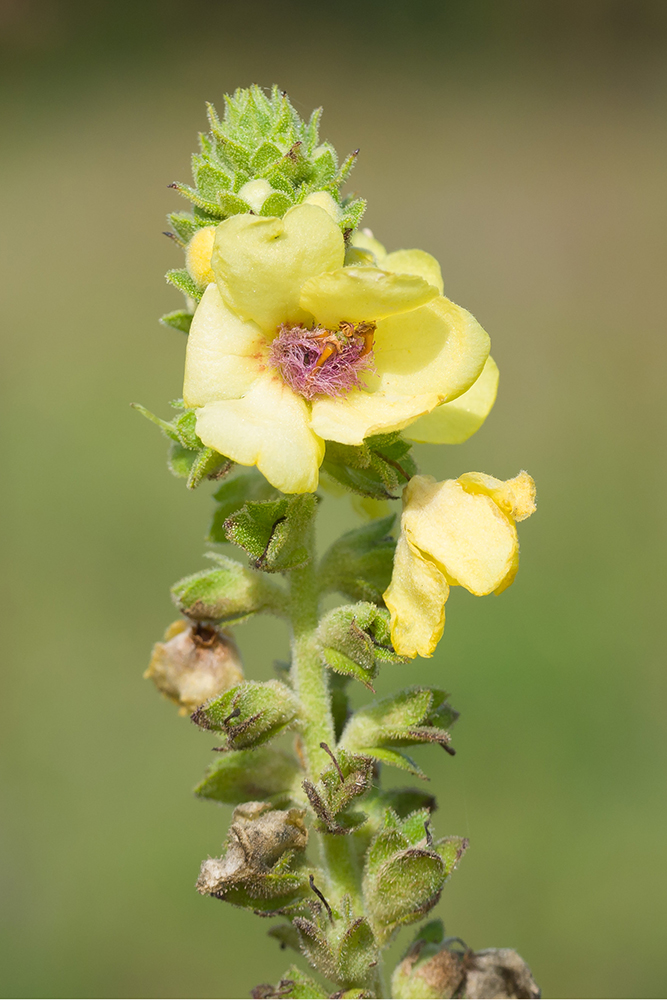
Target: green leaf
{"points": [[180, 278], [249, 714], [232, 495], [271, 531], [180, 319], [242, 775], [360, 563], [226, 594]]}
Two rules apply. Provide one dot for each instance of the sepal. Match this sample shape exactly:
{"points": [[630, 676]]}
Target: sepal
{"points": [[230, 593], [271, 531], [350, 776], [353, 638], [359, 564], [415, 715], [405, 871], [249, 714], [231, 497], [189, 458], [378, 468], [339, 944], [240, 775], [295, 985]]}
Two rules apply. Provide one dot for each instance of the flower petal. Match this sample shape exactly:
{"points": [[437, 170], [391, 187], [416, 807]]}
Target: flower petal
{"points": [[267, 428], [472, 541], [362, 293], [260, 264], [515, 497], [422, 358], [224, 354], [364, 239], [415, 262], [439, 348], [416, 600], [455, 422], [349, 419]]}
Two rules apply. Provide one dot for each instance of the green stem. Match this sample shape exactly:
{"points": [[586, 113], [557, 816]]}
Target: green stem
{"points": [[311, 683]]}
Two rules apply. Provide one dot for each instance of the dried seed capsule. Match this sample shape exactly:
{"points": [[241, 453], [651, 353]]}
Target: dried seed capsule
{"points": [[501, 973], [194, 663]]}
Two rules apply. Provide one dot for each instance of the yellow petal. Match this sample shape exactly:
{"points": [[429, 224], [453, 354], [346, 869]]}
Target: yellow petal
{"points": [[224, 354], [455, 422], [362, 293], [364, 239], [324, 200], [416, 600], [515, 497], [260, 264], [415, 262], [198, 256], [267, 428], [473, 542], [349, 419], [439, 348]]}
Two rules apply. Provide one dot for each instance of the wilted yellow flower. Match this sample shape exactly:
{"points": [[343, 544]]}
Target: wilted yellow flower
{"points": [[289, 348], [457, 533]]}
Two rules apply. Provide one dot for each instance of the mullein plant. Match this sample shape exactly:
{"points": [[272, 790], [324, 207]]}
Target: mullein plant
{"points": [[314, 358]]}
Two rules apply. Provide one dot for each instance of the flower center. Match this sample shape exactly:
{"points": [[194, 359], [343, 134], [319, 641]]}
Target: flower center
{"points": [[321, 362]]}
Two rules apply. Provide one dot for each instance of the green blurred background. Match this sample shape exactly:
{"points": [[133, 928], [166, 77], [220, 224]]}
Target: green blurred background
{"points": [[524, 144]]}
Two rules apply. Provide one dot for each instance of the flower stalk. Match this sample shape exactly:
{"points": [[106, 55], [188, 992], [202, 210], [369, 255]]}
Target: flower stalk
{"points": [[314, 357]]}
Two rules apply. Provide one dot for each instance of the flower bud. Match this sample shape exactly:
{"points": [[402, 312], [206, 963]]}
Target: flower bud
{"points": [[198, 256], [500, 973], [195, 663], [428, 971], [432, 971], [252, 869]]}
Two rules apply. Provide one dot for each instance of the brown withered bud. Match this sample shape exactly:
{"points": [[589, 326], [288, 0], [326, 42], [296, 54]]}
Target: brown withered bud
{"points": [[499, 973], [194, 663], [258, 837], [428, 972]]}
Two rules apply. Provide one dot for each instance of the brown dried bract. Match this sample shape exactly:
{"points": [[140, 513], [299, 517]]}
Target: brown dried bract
{"points": [[258, 837]]}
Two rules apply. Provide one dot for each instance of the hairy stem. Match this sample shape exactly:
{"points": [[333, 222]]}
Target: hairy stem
{"points": [[311, 684]]}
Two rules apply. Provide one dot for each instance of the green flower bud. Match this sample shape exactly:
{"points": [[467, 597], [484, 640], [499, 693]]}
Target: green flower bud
{"points": [[229, 593], [194, 664], [354, 637], [416, 715], [406, 871], [350, 776], [249, 714]]}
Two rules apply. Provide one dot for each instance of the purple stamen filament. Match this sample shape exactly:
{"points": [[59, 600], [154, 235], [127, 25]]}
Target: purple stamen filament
{"points": [[321, 362]]}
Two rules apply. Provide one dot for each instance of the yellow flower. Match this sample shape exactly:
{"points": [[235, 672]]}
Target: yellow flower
{"points": [[380, 346], [457, 533]]}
